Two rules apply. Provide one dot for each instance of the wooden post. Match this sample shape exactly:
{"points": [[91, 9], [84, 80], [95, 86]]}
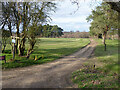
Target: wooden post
{"points": [[13, 41], [14, 49]]}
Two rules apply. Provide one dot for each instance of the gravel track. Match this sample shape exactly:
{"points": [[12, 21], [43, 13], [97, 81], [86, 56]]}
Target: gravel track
{"points": [[55, 74]]}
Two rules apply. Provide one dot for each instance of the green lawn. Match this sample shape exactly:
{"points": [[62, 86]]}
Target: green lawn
{"points": [[46, 49], [105, 74]]}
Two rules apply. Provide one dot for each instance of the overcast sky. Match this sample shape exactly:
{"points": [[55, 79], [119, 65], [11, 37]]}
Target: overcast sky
{"points": [[65, 17]]}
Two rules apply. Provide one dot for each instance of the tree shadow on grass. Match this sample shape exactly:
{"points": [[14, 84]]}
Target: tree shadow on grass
{"points": [[7, 51], [48, 55], [59, 51]]}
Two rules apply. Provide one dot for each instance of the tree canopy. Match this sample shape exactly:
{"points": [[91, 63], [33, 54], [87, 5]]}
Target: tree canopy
{"points": [[24, 18], [104, 20], [103, 16]]}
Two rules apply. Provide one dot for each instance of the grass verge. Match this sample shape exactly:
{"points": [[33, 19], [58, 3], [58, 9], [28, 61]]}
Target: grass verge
{"points": [[105, 73]]}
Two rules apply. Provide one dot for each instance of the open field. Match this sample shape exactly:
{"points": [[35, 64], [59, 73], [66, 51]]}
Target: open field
{"points": [[46, 50], [105, 74]]}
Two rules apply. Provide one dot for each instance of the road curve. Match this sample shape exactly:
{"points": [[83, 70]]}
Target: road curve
{"points": [[55, 74]]}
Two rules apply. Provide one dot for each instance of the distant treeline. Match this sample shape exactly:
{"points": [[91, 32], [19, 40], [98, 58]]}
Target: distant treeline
{"points": [[76, 34], [49, 31]]}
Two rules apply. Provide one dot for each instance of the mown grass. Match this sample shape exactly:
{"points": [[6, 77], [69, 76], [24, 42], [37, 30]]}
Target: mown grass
{"points": [[46, 50], [105, 74]]}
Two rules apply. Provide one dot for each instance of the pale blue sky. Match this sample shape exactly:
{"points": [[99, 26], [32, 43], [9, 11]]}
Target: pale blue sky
{"points": [[64, 19]]}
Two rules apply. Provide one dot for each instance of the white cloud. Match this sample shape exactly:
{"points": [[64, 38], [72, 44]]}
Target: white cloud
{"points": [[65, 20], [74, 21]]}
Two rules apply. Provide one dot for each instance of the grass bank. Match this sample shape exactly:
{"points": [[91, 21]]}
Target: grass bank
{"points": [[105, 73], [45, 50]]}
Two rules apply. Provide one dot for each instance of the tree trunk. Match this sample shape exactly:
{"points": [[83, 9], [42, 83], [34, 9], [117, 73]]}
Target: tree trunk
{"points": [[22, 42], [3, 25], [104, 39], [12, 47], [21, 46], [4, 46], [17, 46], [32, 44], [18, 35], [119, 26], [10, 28], [118, 34], [29, 53], [30, 50]]}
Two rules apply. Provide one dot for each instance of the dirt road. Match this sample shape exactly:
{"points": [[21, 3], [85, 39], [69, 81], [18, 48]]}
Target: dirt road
{"points": [[55, 74]]}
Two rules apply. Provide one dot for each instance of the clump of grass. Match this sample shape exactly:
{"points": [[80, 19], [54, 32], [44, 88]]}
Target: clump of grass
{"points": [[94, 78]]}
